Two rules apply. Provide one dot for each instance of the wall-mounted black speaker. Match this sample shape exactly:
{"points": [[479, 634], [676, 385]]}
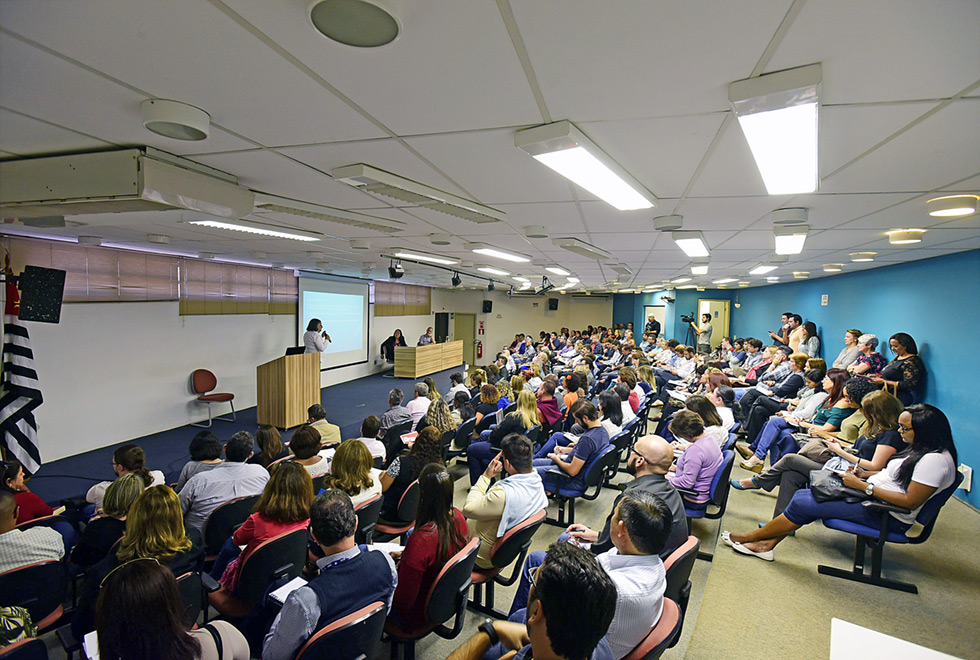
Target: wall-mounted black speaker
{"points": [[487, 306], [41, 292], [553, 304]]}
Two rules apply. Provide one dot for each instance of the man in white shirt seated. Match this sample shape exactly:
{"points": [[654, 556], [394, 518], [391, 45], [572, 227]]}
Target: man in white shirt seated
{"points": [[457, 385], [206, 491], [24, 547], [419, 405], [639, 528], [369, 436], [498, 508]]}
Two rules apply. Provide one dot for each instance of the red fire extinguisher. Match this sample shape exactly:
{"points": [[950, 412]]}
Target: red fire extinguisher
{"points": [[479, 349]]}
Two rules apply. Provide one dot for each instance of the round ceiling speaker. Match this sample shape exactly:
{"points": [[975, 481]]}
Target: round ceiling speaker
{"points": [[358, 23], [536, 231], [668, 222], [439, 239], [175, 120]]}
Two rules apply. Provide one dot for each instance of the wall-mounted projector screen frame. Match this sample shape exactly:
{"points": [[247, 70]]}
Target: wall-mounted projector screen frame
{"points": [[343, 306]]}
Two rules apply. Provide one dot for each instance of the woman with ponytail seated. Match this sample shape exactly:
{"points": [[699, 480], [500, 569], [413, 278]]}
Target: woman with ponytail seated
{"points": [[125, 460], [925, 467]]}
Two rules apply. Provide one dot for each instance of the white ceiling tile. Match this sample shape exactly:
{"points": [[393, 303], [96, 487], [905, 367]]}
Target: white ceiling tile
{"points": [[25, 135]]}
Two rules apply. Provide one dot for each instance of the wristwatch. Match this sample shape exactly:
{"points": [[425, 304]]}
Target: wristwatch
{"points": [[491, 632], [870, 490]]}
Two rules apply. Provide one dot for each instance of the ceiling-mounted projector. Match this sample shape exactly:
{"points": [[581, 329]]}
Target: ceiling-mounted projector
{"points": [[546, 286], [396, 271]]}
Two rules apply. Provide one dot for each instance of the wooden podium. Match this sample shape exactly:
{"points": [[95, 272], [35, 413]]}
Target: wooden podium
{"points": [[287, 387], [415, 361]]}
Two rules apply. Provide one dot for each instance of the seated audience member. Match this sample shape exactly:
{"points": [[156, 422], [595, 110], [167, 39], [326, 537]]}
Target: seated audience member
{"points": [[773, 365], [206, 491], [810, 343], [563, 439], [645, 378], [396, 414], [854, 425], [126, 459], [440, 417], [305, 448], [850, 352], [816, 363], [495, 508], [723, 397], [549, 628], [487, 404], [419, 404], [140, 615], [103, 531], [440, 532], [649, 461], [329, 433], [284, 506], [925, 467], [572, 459], [696, 467], [463, 408], [270, 445], [611, 409], [627, 375], [433, 393], [24, 547], [778, 430], [713, 426], [869, 362], [205, 450], [406, 468], [427, 338], [369, 436], [477, 378], [623, 391], [455, 385], [880, 441], [504, 394], [548, 409], [29, 505], [351, 577], [639, 528], [777, 389], [389, 344], [754, 356], [804, 405], [906, 373], [154, 530], [493, 374], [524, 417], [353, 472]]}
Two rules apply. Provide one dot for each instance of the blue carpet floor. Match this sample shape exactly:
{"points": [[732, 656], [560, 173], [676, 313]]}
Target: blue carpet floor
{"points": [[347, 404]]}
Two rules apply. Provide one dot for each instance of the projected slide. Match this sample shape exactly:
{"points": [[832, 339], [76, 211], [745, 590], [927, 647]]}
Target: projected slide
{"points": [[342, 307]]}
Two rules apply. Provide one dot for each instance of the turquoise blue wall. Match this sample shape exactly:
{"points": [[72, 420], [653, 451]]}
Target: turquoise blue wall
{"points": [[937, 301], [629, 307]]}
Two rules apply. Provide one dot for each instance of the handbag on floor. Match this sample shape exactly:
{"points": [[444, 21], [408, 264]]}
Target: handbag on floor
{"points": [[826, 485]]}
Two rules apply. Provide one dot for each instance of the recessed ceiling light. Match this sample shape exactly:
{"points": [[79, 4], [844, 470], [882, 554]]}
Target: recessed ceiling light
{"points": [[859, 257], [565, 149], [725, 280], [574, 280], [175, 120], [555, 270], [689, 286], [833, 268], [762, 269], [778, 113], [254, 228], [497, 253], [680, 280], [691, 242], [801, 274], [428, 258], [492, 271], [772, 279], [952, 206], [358, 23], [744, 284], [905, 236], [700, 269], [790, 239]]}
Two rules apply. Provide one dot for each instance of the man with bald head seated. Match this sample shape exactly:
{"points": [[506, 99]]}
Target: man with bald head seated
{"points": [[24, 547], [649, 461]]}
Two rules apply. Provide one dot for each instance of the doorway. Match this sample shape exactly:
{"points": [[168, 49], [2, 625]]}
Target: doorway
{"points": [[464, 328], [719, 310], [659, 312]]}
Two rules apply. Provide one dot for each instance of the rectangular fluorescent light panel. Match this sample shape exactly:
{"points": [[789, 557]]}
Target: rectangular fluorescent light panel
{"points": [[555, 270], [790, 240], [497, 253], [699, 270], [778, 113], [578, 246], [681, 280], [565, 149], [762, 269], [725, 280], [691, 242], [574, 280], [493, 271], [428, 258], [520, 279], [252, 229]]}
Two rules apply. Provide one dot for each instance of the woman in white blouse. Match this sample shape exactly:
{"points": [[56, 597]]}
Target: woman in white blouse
{"points": [[315, 340]]}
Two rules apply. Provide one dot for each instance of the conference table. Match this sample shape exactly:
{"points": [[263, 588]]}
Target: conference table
{"points": [[415, 361]]}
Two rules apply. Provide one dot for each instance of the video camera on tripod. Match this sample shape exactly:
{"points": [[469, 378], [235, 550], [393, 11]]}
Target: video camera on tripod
{"points": [[687, 318]]}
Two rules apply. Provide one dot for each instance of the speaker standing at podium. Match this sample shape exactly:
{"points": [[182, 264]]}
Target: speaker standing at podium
{"points": [[315, 340]]}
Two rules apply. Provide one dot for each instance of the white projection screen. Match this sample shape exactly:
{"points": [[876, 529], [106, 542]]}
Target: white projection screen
{"points": [[342, 307]]}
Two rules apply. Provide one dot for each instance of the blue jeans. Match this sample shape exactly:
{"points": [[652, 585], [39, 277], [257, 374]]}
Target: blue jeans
{"points": [[803, 509], [776, 436], [739, 391], [534, 559], [557, 439], [478, 457], [228, 552]]}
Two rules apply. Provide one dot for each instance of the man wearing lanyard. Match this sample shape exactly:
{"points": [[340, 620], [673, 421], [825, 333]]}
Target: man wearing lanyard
{"points": [[351, 577]]}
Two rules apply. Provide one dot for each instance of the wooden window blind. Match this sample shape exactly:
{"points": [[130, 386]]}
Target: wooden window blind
{"points": [[393, 299]]}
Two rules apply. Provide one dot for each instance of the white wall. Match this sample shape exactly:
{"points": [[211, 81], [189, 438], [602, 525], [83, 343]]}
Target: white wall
{"points": [[111, 372]]}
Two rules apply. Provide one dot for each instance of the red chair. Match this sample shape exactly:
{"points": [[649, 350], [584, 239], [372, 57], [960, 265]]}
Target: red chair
{"points": [[357, 635], [40, 588], [203, 383], [511, 548], [661, 637], [407, 506], [446, 600], [25, 649]]}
